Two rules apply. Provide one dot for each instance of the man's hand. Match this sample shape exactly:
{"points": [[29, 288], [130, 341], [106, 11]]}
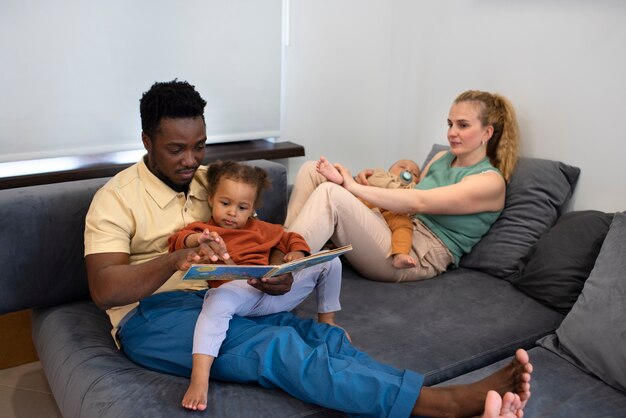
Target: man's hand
{"points": [[277, 285], [210, 251]]}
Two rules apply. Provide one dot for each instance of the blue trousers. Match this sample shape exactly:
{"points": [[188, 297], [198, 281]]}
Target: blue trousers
{"points": [[280, 350]]}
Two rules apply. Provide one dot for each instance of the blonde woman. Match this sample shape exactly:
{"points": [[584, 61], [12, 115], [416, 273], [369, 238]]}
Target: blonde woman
{"points": [[460, 194]]}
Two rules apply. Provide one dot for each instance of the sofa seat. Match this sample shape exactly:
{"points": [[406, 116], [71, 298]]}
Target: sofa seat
{"points": [[92, 378], [441, 327], [560, 389]]}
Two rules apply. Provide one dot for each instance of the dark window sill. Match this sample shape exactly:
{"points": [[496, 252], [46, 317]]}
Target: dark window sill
{"points": [[105, 165]]}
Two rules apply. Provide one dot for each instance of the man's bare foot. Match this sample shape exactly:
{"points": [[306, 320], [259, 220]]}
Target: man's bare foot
{"points": [[469, 400], [196, 396], [403, 261], [329, 318], [507, 406], [328, 170]]}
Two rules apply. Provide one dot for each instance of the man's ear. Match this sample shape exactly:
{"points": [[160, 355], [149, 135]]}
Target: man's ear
{"points": [[147, 143]]}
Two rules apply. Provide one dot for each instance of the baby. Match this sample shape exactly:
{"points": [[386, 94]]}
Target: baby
{"points": [[401, 174], [234, 193]]}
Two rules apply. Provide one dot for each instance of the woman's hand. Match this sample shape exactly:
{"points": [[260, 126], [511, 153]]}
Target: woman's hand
{"points": [[362, 177], [348, 181]]}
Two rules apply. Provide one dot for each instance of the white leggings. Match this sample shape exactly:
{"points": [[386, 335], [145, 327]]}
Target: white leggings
{"points": [[239, 298]]}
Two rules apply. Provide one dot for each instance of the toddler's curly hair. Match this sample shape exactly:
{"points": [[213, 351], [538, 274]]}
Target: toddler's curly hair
{"points": [[232, 170]]}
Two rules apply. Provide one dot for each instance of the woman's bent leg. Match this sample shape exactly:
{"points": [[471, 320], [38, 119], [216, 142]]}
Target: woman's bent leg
{"points": [[306, 181], [334, 213]]}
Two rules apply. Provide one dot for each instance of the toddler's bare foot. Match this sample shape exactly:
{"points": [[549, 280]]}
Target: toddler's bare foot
{"points": [[507, 406], [403, 261], [329, 318], [326, 169], [196, 396]]}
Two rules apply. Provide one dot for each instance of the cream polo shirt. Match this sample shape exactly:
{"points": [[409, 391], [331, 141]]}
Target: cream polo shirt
{"points": [[135, 213]]}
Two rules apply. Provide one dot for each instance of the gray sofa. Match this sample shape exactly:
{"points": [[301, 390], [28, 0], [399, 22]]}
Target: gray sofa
{"points": [[453, 327]]}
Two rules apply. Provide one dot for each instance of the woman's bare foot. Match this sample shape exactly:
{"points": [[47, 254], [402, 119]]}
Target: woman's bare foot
{"points": [[326, 169], [329, 318], [403, 261], [196, 396], [507, 406], [469, 400]]}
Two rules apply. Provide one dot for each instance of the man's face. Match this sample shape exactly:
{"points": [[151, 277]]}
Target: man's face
{"points": [[176, 150]]}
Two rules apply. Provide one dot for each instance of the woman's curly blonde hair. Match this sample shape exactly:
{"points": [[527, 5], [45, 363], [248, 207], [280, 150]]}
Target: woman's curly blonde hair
{"points": [[497, 111]]}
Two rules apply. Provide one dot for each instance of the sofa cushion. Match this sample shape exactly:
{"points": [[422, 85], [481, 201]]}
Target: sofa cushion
{"points": [[442, 327], [559, 389], [559, 263], [90, 377], [535, 197], [593, 334]]}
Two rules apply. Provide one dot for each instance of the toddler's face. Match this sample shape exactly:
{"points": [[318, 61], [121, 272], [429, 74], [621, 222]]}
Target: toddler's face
{"points": [[401, 165], [232, 204]]}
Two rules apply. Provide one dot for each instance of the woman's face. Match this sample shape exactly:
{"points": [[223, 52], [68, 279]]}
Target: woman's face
{"points": [[466, 134]]}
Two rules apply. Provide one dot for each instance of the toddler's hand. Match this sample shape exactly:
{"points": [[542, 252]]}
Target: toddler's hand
{"points": [[294, 255]]}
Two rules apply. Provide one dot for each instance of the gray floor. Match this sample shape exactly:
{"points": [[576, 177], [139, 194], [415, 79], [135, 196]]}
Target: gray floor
{"points": [[24, 393]]}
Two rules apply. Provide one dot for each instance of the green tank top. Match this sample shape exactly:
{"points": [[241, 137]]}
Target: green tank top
{"points": [[458, 232]]}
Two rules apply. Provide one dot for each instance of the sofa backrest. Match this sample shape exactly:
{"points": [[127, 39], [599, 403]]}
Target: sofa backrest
{"points": [[42, 244], [41, 240]]}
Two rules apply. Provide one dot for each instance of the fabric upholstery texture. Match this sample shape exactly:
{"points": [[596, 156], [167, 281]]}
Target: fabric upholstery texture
{"points": [[536, 196], [53, 217], [559, 263], [91, 378], [449, 325], [559, 389], [593, 334]]}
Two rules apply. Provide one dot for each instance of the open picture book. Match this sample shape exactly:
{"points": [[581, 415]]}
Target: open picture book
{"points": [[245, 272]]}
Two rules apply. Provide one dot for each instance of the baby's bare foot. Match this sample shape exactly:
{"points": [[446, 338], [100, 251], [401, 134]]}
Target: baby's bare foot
{"points": [[403, 261], [196, 396], [326, 169]]}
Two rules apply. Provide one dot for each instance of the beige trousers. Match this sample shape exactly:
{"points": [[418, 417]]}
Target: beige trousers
{"points": [[320, 210]]}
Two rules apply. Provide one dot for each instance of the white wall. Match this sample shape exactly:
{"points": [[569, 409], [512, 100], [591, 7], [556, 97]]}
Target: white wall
{"points": [[72, 71], [368, 81]]}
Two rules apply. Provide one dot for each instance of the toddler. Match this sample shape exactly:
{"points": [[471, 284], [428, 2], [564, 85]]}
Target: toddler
{"points": [[234, 192]]}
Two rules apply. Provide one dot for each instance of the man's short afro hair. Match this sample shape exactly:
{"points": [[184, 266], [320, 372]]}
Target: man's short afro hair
{"points": [[170, 99]]}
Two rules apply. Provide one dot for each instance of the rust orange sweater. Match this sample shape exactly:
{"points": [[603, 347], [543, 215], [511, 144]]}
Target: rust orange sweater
{"points": [[251, 244]]}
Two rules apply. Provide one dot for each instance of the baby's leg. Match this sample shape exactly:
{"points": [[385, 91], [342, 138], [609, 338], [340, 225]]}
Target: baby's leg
{"points": [[401, 228], [328, 170]]}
